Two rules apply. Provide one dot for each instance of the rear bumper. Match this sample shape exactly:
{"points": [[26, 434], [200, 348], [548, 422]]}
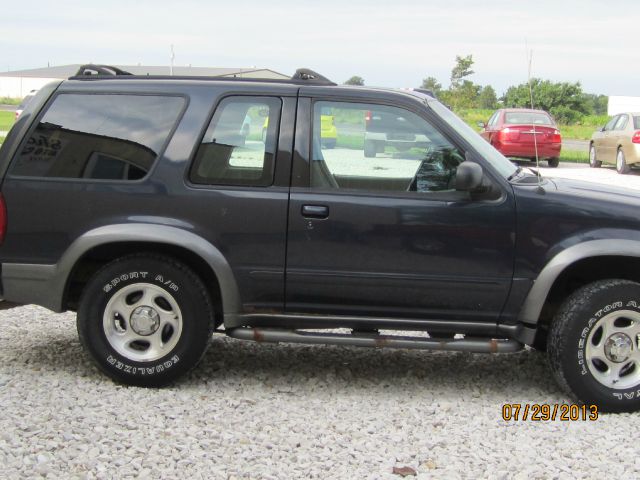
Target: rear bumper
{"points": [[548, 150], [32, 284]]}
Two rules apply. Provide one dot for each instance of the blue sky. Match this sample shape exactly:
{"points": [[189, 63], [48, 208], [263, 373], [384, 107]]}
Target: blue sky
{"points": [[388, 43]]}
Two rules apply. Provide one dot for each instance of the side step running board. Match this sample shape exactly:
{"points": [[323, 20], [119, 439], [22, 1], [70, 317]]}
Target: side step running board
{"points": [[476, 345]]}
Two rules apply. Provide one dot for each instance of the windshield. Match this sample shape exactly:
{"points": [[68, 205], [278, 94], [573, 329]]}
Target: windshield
{"points": [[490, 154], [527, 118]]}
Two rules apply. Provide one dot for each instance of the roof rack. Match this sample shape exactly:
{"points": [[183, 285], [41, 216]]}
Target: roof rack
{"points": [[303, 76], [91, 70], [309, 76]]}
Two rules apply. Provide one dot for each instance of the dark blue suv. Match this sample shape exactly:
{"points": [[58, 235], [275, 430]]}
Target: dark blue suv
{"points": [[158, 209]]}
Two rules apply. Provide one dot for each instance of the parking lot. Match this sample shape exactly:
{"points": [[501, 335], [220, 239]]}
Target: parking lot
{"points": [[294, 411]]}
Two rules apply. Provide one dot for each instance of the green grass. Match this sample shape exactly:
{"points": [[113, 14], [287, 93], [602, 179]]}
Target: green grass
{"points": [[10, 101], [352, 142], [474, 115], [6, 120], [574, 156]]}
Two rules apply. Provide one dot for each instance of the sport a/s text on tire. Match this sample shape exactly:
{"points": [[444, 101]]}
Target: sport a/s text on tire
{"points": [[594, 345], [145, 319]]}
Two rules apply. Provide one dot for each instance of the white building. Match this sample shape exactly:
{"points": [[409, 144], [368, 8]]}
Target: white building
{"points": [[18, 83], [619, 104]]}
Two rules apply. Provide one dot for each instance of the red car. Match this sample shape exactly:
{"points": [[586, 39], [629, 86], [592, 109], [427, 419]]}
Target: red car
{"points": [[518, 132]]}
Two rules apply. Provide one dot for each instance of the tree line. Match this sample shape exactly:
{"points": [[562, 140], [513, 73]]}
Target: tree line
{"points": [[566, 101]]}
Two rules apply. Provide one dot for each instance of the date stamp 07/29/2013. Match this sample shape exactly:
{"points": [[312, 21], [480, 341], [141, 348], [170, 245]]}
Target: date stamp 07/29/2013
{"points": [[544, 412]]}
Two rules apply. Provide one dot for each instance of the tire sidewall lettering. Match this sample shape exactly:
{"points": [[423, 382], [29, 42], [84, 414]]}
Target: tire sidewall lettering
{"points": [[630, 393]]}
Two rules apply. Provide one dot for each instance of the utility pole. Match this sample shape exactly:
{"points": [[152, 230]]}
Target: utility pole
{"points": [[173, 56]]}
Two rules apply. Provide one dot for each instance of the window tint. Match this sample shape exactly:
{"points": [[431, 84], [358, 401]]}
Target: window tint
{"points": [[111, 137], [494, 119], [379, 148], [240, 143], [636, 122], [527, 118]]}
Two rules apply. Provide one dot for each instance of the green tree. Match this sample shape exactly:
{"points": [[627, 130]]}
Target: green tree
{"points": [[597, 103], [430, 83], [565, 101], [355, 80], [462, 93], [487, 98], [461, 70]]}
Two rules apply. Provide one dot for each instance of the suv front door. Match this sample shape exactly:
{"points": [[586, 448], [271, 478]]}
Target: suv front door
{"points": [[390, 235]]}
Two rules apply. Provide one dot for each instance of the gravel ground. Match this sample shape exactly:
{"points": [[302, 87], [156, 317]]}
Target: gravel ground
{"points": [[290, 411]]}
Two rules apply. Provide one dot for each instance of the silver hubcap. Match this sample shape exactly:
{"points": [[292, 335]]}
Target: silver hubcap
{"points": [[612, 351], [145, 321], [142, 322]]}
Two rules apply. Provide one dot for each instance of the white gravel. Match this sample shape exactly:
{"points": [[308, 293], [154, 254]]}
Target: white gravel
{"points": [[290, 411]]}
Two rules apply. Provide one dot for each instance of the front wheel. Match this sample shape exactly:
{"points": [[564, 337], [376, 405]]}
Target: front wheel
{"points": [[621, 163], [145, 320], [594, 345], [593, 161]]}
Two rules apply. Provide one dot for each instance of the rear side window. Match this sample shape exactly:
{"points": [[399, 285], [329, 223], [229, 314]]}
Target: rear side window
{"points": [[239, 145], [108, 137]]}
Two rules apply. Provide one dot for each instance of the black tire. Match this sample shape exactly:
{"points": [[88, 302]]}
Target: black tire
{"points": [[577, 323], [621, 163], [553, 162], [370, 148], [175, 293], [329, 143], [593, 161]]}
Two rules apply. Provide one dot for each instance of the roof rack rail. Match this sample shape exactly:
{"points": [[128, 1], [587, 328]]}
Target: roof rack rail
{"points": [[91, 69], [309, 76]]}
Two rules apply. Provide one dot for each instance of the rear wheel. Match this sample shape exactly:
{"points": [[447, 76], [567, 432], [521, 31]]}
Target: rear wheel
{"points": [[145, 320], [370, 148], [553, 162], [594, 345], [621, 162], [593, 162]]}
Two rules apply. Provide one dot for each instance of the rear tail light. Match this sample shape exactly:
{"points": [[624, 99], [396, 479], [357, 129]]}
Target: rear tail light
{"points": [[367, 117], [508, 134], [636, 137], [556, 137], [3, 218]]}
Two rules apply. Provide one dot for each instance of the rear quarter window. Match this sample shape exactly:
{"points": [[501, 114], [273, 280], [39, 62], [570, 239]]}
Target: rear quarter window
{"points": [[105, 136]]}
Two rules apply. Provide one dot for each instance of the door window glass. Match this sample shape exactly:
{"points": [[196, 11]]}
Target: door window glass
{"points": [[621, 124], [611, 123], [379, 148], [239, 145]]}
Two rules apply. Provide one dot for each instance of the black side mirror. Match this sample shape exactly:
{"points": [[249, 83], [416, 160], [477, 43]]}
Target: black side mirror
{"points": [[468, 176], [482, 125]]}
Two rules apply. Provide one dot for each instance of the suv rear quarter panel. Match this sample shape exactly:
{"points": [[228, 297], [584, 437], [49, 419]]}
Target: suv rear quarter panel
{"points": [[248, 226]]}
